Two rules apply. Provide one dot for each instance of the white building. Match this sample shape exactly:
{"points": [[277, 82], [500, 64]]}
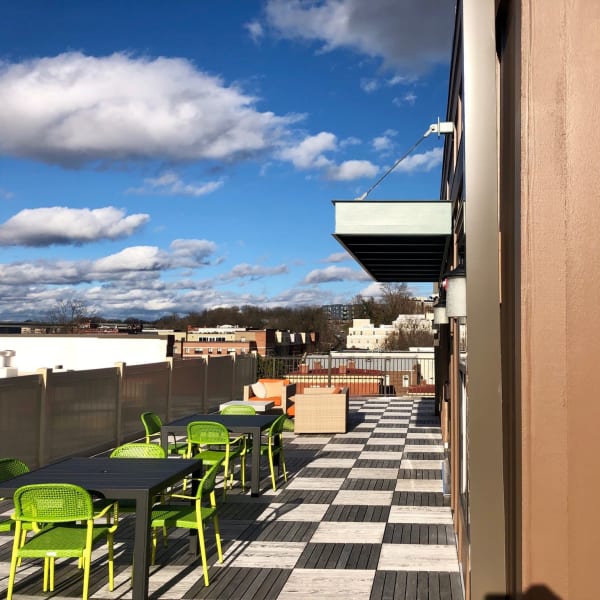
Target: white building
{"points": [[363, 335]]}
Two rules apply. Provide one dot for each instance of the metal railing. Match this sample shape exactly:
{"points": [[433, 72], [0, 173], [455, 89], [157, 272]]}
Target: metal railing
{"points": [[363, 374]]}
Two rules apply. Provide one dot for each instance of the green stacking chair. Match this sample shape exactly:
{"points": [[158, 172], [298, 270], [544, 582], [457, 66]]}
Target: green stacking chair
{"points": [[67, 511], [274, 448], [210, 442], [152, 424], [9, 468], [136, 450], [191, 516], [139, 450], [239, 409]]}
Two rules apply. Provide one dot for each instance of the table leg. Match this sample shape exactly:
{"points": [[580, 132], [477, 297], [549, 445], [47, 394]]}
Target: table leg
{"points": [[141, 547], [164, 439], [255, 475]]}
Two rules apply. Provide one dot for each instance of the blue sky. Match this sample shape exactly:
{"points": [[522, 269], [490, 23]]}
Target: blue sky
{"points": [[167, 157]]}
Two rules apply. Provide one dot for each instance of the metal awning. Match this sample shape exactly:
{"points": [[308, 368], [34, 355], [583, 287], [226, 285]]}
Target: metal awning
{"points": [[396, 240]]}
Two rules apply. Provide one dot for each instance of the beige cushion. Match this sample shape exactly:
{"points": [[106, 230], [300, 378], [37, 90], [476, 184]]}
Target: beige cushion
{"points": [[259, 390]]}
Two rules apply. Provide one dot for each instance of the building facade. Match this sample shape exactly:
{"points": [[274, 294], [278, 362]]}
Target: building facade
{"points": [[515, 383]]}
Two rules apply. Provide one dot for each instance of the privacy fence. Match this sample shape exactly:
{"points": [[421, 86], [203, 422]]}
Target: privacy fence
{"points": [[52, 415]]}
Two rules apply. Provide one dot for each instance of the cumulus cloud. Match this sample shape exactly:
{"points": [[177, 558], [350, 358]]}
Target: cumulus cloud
{"points": [[352, 169], [73, 109], [308, 154], [63, 225], [382, 143], [410, 35], [333, 273], [135, 258], [256, 31], [409, 98], [170, 184], [337, 257], [369, 85], [350, 141], [374, 290], [421, 162], [253, 272], [191, 253]]}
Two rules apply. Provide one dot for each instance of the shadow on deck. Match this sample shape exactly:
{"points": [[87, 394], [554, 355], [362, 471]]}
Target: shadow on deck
{"points": [[362, 516]]}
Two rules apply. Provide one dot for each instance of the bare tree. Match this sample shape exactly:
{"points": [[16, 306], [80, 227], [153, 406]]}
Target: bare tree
{"points": [[69, 314]]}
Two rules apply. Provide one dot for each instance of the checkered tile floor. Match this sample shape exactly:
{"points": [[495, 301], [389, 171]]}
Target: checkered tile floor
{"points": [[363, 516]]}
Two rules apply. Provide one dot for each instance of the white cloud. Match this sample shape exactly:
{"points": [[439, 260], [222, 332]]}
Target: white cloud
{"points": [[256, 31], [191, 253], [74, 109], [398, 79], [352, 169], [337, 257], [411, 35], [333, 273], [253, 272], [409, 98], [135, 258], [63, 225], [374, 290], [369, 85], [421, 162], [170, 184], [382, 143], [350, 141], [308, 154]]}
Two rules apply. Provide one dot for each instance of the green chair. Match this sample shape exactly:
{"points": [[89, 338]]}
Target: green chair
{"points": [[67, 511], [210, 442], [136, 450], [239, 409], [274, 448], [9, 468], [152, 424], [191, 516], [139, 450]]}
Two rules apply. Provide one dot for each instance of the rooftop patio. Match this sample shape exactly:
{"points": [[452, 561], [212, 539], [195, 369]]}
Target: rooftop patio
{"points": [[363, 515]]}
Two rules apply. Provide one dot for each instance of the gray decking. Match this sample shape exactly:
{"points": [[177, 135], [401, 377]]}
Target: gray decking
{"points": [[362, 516]]}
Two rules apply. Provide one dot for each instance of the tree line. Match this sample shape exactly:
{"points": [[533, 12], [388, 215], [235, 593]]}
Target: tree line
{"points": [[71, 313]]}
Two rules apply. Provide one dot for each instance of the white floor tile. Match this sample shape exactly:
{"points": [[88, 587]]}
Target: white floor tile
{"points": [[441, 515], [418, 557], [363, 497], [315, 483], [421, 464], [282, 555], [328, 584], [337, 532], [418, 485], [359, 473], [332, 463]]}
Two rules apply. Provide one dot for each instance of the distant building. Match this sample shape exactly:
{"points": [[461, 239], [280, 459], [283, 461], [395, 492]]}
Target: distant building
{"points": [[339, 312], [227, 339], [363, 335]]}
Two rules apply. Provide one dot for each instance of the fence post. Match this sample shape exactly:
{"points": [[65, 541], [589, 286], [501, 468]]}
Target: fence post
{"points": [[329, 361], [46, 374], [119, 416], [169, 389]]}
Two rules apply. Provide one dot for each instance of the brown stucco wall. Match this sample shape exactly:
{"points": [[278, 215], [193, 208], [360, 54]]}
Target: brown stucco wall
{"points": [[560, 260]]}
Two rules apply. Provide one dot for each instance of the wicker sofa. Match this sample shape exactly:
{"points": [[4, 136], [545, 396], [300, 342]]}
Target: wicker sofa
{"points": [[278, 391], [321, 410]]}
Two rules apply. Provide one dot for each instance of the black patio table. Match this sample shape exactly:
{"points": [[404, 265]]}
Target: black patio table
{"points": [[138, 479], [248, 424]]}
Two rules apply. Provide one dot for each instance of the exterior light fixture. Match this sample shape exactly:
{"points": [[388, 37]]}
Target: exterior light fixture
{"points": [[456, 292], [440, 316]]}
